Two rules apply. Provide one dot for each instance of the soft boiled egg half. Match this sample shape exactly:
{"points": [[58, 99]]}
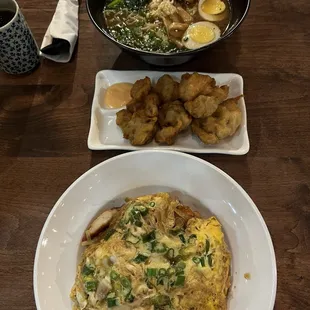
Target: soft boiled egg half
{"points": [[200, 34], [212, 10]]}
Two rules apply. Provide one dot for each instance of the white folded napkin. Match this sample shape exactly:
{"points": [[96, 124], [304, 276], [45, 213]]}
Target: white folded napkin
{"points": [[64, 26]]}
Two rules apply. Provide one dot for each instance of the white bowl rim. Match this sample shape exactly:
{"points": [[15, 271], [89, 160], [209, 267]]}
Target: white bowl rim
{"points": [[239, 187]]}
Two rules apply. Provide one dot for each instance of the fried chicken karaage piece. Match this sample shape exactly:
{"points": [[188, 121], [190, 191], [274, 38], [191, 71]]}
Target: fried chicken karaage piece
{"points": [[152, 103], [204, 106], [193, 85], [141, 88], [138, 128], [223, 123], [173, 119], [167, 88], [133, 105]]}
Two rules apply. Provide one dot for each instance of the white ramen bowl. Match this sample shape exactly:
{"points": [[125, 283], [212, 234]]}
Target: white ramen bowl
{"points": [[195, 182]]}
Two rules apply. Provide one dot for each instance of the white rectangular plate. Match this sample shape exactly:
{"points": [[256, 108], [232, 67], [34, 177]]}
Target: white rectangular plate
{"points": [[104, 134]]}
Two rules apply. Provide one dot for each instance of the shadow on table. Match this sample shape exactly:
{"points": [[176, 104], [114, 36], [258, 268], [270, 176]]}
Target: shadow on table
{"points": [[219, 59]]}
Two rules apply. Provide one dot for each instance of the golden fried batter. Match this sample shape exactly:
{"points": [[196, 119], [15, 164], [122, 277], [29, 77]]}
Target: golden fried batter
{"points": [[152, 102], [141, 88], [167, 88], [173, 114], [223, 123], [193, 85], [133, 105], [204, 106], [173, 119], [139, 129], [166, 135]]}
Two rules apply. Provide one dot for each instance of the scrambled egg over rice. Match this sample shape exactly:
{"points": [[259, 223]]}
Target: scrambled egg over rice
{"points": [[154, 253]]}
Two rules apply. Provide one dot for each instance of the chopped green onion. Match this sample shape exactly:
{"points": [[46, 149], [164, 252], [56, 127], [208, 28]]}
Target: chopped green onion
{"points": [[192, 238], [158, 247], [138, 223], [114, 275], [91, 286], [202, 261], [151, 272], [149, 237], [176, 259], [207, 246], [142, 209], [162, 272], [180, 281], [87, 270], [160, 281], [175, 232], [182, 238], [179, 271], [152, 204], [108, 233], [111, 295], [210, 260], [131, 238], [113, 5], [125, 282], [130, 298], [112, 302], [196, 260], [140, 258]]}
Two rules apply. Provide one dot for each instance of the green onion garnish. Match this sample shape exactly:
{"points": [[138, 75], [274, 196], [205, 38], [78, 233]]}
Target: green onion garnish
{"points": [[202, 261], [142, 209], [149, 237], [152, 204], [175, 232], [196, 260], [112, 302], [140, 258], [182, 238], [151, 272], [158, 247], [180, 281], [130, 298], [210, 262], [108, 233], [87, 270], [207, 246], [125, 282], [138, 223], [91, 286], [114, 275], [192, 238]]}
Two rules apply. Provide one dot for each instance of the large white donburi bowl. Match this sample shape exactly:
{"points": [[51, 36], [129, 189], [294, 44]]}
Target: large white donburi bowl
{"points": [[196, 182]]}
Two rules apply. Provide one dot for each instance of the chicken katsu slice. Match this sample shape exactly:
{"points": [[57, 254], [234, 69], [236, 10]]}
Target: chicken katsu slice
{"points": [[193, 85], [141, 88], [167, 88]]}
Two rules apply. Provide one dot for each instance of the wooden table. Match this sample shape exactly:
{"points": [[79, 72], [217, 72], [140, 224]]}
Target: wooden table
{"points": [[44, 121]]}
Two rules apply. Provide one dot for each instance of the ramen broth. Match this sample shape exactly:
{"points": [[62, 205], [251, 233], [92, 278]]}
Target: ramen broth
{"points": [[140, 29]]}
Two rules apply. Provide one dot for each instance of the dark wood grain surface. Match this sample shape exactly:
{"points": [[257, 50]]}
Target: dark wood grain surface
{"points": [[44, 122]]}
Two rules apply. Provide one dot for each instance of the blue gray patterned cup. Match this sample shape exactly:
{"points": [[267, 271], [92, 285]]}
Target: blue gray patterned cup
{"points": [[18, 50]]}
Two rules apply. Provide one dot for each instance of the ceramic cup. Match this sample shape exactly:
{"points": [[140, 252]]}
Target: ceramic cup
{"points": [[18, 50]]}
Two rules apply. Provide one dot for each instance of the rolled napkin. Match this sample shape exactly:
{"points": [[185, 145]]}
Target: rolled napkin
{"points": [[62, 33]]}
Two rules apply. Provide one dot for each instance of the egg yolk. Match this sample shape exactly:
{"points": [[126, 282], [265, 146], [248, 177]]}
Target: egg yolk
{"points": [[213, 7], [201, 34]]}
